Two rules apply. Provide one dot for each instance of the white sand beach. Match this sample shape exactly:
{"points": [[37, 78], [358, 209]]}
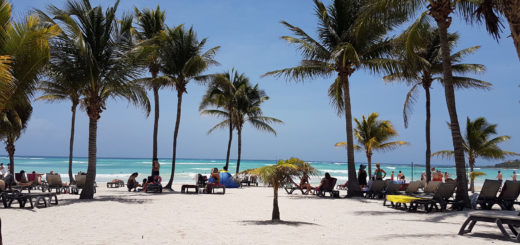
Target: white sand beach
{"points": [[241, 216]]}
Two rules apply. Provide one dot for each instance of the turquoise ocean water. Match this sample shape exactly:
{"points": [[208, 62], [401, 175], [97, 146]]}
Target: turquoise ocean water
{"points": [[186, 169]]}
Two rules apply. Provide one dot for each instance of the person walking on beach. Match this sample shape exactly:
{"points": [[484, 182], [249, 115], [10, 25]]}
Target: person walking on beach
{"points": [[514, 176], [379, 172], [499, 175], [155, 167]]}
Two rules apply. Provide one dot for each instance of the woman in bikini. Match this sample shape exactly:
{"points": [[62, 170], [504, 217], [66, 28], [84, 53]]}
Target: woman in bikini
{"points": [[379, 172]]}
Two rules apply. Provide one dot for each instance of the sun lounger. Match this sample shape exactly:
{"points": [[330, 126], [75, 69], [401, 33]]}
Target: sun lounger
{"points": [[508, 195], [34, 199], [391, 189], [488, 194], [186, 189], [376, 190], [116, 184], [154, 188], [412, 188], [328, 189], [500, 219], [441, 196], [54, 182]]}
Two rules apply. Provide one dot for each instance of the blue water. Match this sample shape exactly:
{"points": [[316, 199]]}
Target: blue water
{"points": [[186, 169]]}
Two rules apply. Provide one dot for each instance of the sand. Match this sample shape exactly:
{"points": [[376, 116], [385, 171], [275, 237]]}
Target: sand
{"points": [[241, 216]]}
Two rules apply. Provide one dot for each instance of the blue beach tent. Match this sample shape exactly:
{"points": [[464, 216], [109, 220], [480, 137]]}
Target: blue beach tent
{"points": [[226, 179]]}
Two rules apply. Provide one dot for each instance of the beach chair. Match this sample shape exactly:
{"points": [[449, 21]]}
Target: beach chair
{"points": [[54, 182], [391, 189], [195, 187], [376, 190], [429, 190], [412, 188], [441, 196], [512, 220], [328, 189], [508, 195], [488, 194]]}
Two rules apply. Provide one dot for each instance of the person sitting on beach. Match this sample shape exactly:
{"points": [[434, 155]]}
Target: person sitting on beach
{"points": [[446, 177], [37, 177], [379, 172], [23, 179], [402, 180], [399, 175], [325, 183], [514, 176], [145, 183], [132, 182], [362, 176], [499, 175], [214, 179], [304, 183], [436, 176]]}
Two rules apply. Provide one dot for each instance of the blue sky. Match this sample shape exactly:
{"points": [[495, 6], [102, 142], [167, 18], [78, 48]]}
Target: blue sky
{"points": [[249, 35]]}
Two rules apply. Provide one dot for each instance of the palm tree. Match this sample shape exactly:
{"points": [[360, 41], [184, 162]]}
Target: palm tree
{"points": [[373, 135], [223, 92], [249, 110], [280, 174], [477, 143], [427, 49], [66, 80], [26, 43], [182, 59], [490, 11], [104, 43], [346, 43], [150, 25], [440, 11]]}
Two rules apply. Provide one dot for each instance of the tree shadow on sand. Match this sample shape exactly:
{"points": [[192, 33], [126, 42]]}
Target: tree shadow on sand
{"points": [[281, 222], [120, 199]]}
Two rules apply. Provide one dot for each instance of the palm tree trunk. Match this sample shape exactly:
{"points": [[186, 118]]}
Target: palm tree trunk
{"points": [[512, 14], [229, 144], [156, 120], [276, 210], [353, 185], [10, 150], [88, 190], [175, 134], [239, 134], [443, 22], [471, 166], [428, 141], [369, 161], [71, 143]]}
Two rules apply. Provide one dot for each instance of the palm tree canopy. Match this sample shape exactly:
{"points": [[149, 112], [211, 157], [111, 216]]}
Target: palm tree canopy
{"points": [[103, 43], [373, 134], [347, 40], [282, 172], [478, 141], [418, 56], [183, 57]]}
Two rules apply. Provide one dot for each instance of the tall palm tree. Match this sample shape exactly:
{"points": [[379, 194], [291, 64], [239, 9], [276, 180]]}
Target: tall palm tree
{"points": [[223, 91], [478, 143], [182, 59], [280, 174], [151, 25], [441, 12], [66, 79], [249, 110], [427, 49], [104, 43], [347, 42], [373, 135], [491, 11], [26, 42]]}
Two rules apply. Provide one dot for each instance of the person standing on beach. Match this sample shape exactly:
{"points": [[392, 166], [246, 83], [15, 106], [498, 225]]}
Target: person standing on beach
{"points": [[362, 176], [379, 172], [392, 176], [2, 170], [399, 175], [499, 175], [155, 167], [514, 176]]}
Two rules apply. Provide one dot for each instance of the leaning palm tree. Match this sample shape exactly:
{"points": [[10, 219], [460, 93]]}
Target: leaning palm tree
{"points": [[346, 43], [150, 25], [182, 59], [427, 49], [27, 43], [248, 109], [222, 93], [441, 13], [477, 143], [280, 174], [104, 44], [491, 11], [373, 135]]}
